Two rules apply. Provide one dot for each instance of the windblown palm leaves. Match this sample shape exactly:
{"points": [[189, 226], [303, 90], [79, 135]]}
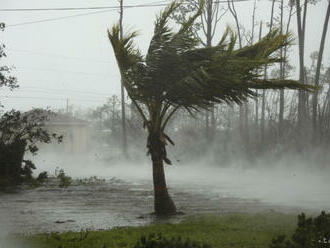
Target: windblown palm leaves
{"points": [[177, 73]]}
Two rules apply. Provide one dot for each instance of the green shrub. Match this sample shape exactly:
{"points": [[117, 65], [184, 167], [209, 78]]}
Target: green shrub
{"points": [[42, 177], [310, 233]]}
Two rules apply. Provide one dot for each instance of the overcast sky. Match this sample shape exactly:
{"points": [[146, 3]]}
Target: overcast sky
{"points": [[71, 58]]}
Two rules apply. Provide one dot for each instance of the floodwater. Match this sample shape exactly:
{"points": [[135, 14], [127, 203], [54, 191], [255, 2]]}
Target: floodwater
{"points": [[126, 196]]}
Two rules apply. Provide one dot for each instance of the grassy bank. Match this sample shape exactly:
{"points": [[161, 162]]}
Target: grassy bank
{"points": [[230, 230]]}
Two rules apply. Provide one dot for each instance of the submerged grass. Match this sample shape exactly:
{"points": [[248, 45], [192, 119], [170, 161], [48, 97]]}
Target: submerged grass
{"points": [[230, 230]]}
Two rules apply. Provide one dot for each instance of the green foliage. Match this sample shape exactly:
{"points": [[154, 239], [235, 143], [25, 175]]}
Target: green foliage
{"points": [[65, 181], [20, 133], [178, 72], [158, 241], [310, 233]]}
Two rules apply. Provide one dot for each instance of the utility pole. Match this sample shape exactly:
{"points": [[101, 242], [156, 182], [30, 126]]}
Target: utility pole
{"points": [[123, 110]]}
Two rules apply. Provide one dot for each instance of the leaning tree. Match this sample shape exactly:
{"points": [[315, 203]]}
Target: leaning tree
{"points": [[177, 73]]}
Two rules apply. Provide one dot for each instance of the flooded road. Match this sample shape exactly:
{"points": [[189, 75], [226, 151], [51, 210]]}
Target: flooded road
{"points": [[126, 197]]}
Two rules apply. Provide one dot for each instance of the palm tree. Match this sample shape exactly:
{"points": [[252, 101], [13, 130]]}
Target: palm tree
{"points": [[177, 74]]}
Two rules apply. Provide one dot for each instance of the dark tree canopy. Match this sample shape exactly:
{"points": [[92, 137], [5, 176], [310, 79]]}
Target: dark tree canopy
{"points": [[21, 133], [5, 79]]}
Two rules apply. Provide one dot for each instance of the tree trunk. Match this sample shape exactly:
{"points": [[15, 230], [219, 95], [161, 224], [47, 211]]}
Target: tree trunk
{"points": [[210, 129], [301, 40], [207, 125], [262, 122], [263, 101], [246, 126], [281, 111], [11, 158], [318, 69], [163, 203], [283, 69], [257, 93]]}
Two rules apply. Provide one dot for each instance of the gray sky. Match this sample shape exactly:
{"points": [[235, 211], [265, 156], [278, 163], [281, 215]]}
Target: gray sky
{"points": [[72, 58]]}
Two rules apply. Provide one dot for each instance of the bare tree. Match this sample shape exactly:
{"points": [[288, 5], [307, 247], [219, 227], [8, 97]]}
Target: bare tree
{"points": [[283, 64], [301, 27], [263, 101], [318, 69], [242, 108], [204, 30]]}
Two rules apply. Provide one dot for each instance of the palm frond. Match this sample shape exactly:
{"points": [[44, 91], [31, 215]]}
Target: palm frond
{"points": [[176, 73]]}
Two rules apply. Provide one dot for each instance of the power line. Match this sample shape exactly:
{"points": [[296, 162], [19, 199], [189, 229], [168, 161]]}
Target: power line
{"points": [[75, 94], [47, 54], [50, 98], [56, 18], [81, 73], [107, 9], [154, 4], [65, 90]]}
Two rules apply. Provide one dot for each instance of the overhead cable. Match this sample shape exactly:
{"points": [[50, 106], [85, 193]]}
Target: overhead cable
{"points": [[155, 4]]}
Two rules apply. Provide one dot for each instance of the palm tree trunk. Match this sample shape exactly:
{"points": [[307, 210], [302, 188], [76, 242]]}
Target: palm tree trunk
{"points": [[163, 203]]}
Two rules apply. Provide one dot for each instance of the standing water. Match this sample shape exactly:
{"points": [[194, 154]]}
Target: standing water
{"points": [[125, 197]]}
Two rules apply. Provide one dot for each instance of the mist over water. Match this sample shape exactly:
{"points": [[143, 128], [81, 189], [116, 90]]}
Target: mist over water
{"points": [[288, 181], [287, 185]]}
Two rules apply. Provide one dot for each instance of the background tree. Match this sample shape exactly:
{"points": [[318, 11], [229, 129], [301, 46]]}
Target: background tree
{"points": [[20, 133], [318, 70], [263, 100], [204, 29], [177, 74], [243, 107], [5, 78], [301, 14]]}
